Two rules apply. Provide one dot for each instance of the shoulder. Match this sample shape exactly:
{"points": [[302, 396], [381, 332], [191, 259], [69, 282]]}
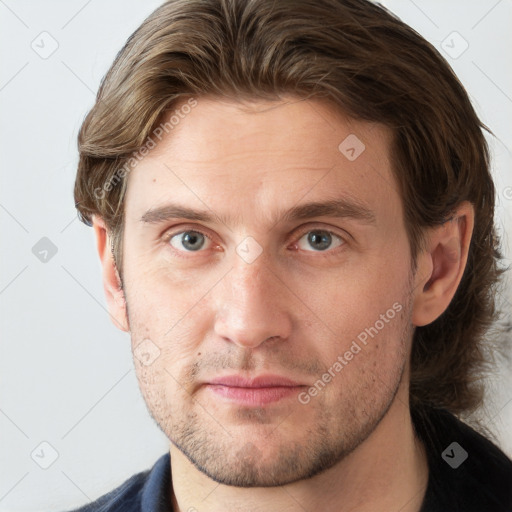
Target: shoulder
{"points": [[468, 472], [147, 490], [126, 497]]}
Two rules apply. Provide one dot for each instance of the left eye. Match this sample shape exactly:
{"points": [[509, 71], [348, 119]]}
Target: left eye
{"points": [[190, 240], [320, 240]]}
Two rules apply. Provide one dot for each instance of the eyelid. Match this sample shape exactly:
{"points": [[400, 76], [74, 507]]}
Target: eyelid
{"points": [[179, 230], [302, 230], [328, 252], [294, 237]]}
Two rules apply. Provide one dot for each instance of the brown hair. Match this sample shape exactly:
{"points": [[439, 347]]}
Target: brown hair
{"points": [[364, 61]]}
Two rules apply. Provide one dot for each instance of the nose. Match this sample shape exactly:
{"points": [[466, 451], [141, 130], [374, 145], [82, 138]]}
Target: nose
{"points": [[252, 305]]}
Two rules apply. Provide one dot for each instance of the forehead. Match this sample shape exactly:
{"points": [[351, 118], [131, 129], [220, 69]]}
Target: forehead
{"points": [[270, 153], [302, 127]]}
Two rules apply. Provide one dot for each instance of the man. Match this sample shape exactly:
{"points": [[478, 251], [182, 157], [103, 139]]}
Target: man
{"points": [[294, 214]]}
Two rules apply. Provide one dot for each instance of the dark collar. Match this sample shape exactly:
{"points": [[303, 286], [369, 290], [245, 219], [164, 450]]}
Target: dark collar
{"points": [[481, 483]]}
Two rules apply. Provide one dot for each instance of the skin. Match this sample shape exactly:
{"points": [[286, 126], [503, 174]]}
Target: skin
{"points": [[291, 311]]}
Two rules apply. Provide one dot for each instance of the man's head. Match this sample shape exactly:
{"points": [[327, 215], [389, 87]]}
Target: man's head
{"points": [[337, 173]]}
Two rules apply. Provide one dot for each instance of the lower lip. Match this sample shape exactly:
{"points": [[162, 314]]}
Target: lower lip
{"points": [[255, 396]]}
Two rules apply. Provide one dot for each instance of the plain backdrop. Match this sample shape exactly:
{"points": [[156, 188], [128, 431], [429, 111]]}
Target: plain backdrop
{"points": [[73, 424]]}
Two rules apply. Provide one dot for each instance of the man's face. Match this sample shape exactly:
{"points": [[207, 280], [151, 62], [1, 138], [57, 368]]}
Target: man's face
{"points": [[267, 288]]}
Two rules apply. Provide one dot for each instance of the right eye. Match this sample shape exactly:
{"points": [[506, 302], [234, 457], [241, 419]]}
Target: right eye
{"points": [[191, 241]]}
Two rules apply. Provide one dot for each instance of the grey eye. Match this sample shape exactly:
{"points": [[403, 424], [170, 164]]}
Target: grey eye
{"points": [[190, 240], [320, 240]]}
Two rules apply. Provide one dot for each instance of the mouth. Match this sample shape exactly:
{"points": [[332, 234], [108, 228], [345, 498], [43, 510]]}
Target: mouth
{"points": [[256, 391]]}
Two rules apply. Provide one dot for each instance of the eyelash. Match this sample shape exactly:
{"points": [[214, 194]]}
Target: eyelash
{"points": [[328, 253]]}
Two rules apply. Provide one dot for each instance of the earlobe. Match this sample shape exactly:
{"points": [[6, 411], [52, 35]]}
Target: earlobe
{"points": [[442, 264], [111, 281]]}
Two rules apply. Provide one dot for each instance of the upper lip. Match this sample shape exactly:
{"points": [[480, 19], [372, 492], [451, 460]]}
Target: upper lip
{"points": [[261, 381]]}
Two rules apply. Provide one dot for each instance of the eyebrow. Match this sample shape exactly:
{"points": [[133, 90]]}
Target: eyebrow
{"points": [[337, 208]]}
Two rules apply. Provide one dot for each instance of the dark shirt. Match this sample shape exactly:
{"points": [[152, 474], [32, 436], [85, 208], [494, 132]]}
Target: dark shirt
{"points": [[467, 473]]}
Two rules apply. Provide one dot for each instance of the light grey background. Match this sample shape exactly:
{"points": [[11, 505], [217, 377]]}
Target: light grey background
{"points": [[67, 377]]}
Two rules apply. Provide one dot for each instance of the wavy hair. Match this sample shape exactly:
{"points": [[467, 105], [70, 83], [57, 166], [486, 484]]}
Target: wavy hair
{"points": [[364, 61]]}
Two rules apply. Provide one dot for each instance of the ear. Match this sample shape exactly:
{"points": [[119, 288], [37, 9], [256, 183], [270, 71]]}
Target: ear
{"points": [[441, 265], [111, 281]]}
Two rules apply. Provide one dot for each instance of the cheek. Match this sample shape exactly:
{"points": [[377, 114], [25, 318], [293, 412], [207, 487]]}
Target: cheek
{"points": [[368, 362], [366, 313], [166, 376], [165, 302], [167, 327], [353, 296]]}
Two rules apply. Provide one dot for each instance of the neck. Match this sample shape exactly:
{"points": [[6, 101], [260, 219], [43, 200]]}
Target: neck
{"points": [[388, 471]]}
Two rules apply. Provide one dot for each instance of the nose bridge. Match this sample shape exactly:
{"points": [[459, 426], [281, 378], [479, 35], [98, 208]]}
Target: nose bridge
{"points": [[247, 277], [251, 307]]}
